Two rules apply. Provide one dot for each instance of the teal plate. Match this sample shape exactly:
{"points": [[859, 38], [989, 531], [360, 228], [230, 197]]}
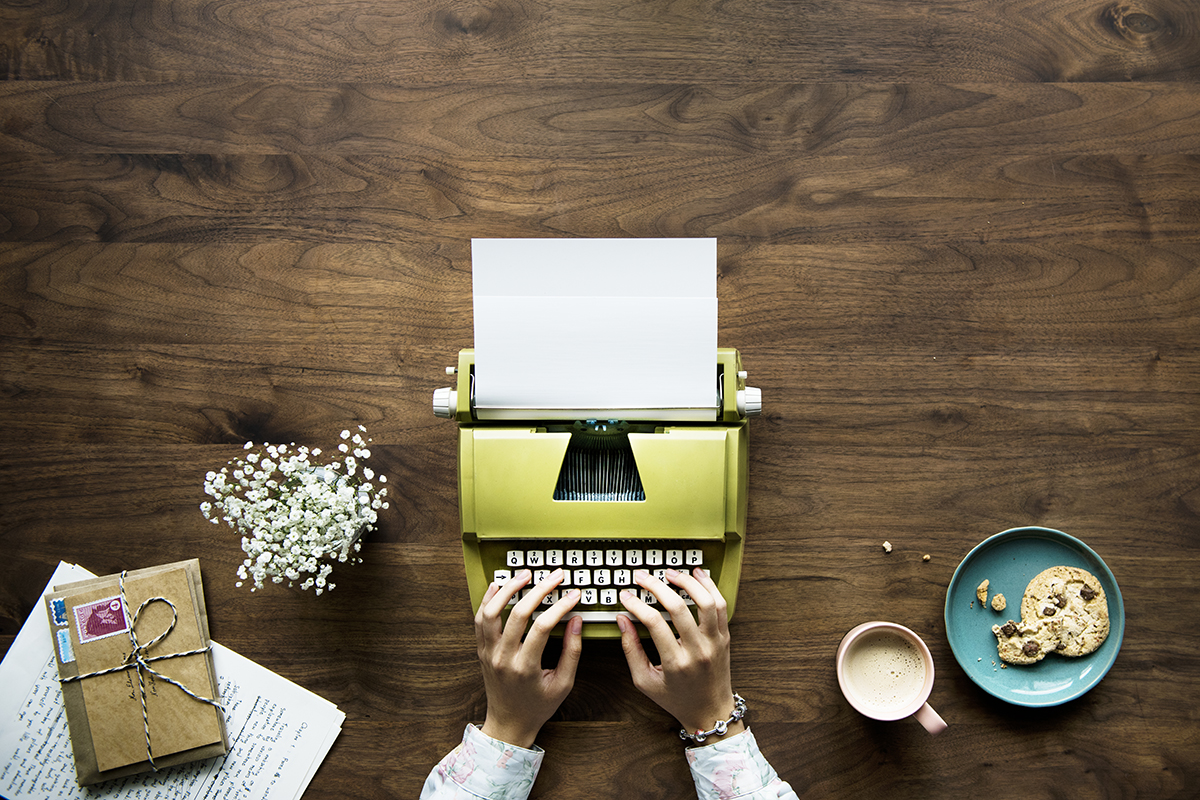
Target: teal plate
{"points": [[1009, 560]]}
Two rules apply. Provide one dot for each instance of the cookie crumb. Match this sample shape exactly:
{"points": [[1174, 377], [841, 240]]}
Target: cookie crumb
{"points": [[887, 547], [998, 602], [982, 590]]}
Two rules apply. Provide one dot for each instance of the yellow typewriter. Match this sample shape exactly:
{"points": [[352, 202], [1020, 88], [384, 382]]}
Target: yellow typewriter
{"points": [[600, 428]]}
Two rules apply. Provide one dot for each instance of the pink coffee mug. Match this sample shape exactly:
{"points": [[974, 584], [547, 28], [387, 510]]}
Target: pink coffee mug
{"points": [[886, 672]]}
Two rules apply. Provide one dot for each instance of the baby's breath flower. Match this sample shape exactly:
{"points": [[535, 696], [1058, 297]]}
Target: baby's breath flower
{"points": [[296, 517]]}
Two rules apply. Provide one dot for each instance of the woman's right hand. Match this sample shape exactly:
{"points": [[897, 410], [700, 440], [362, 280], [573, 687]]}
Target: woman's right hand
{"points": [[693, 681]]}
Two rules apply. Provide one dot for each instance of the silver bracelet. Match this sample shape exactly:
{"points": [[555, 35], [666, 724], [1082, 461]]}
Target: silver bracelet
{"points": [[739, 711]]}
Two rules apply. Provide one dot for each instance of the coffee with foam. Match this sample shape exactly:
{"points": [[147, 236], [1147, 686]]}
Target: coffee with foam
{"points": [[885, 670]]}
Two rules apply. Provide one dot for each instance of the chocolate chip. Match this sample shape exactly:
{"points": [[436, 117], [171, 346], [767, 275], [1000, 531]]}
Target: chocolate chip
{"points": [[1049, 611], [1060, 601], [1087, 592], [1009, 628], [1030, 648]]}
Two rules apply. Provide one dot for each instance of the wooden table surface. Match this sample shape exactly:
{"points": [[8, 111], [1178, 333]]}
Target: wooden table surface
{"points": [[958, 248]]}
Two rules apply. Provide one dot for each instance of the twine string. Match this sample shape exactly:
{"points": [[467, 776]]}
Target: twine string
{"points": [[138, 660]]}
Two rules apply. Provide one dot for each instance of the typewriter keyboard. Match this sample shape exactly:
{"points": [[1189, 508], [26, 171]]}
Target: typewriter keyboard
{"points": [[602, 570]]}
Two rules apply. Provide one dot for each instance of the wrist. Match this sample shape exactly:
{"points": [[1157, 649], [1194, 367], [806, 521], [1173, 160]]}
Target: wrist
{"points": [[514, 734], [730, 731], [710, 726]]}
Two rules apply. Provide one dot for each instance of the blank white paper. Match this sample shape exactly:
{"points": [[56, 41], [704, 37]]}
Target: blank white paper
{"points": [[572, 328]]}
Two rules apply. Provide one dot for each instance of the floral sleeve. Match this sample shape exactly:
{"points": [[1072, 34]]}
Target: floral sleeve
{"points": [[735, 768], [483, 767]]}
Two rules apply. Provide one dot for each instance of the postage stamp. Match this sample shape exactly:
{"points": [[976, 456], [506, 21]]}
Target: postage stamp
{"points": [[99, 619], [59, 607], [65, 654]]}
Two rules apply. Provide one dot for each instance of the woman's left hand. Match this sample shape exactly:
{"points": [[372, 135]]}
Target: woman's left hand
{"points": [[521, 695]]}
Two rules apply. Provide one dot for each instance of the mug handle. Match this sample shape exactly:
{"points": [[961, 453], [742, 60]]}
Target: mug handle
{"points": [[932, 721]]}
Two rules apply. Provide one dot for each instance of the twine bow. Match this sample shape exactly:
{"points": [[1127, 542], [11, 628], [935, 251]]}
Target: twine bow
{"points": [[138, 660]]}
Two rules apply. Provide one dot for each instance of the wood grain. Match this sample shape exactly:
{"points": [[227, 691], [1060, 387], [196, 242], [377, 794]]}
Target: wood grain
{"points": [[540, 118], [145, 198], [958, 249], [503, 40]]}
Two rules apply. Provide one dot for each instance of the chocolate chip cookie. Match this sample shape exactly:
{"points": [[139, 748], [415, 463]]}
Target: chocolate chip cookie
{"points": [[1063, 611], [1074, 601]]}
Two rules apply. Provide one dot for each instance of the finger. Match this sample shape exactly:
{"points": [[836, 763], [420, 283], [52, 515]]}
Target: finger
{"points": [[568, 661], [539, 632], [722, 606], [670, 600], [660, 631], [640, 668], [495, 599], [518, 618], [492, 588], [483, 624], [559, 609], [706, 604], [495, 602], [509, 639]]}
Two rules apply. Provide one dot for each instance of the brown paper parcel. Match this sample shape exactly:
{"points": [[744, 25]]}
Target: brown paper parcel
{"points": [[104, 712]]}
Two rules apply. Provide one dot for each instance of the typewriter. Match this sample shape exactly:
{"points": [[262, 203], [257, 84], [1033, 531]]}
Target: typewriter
{"points": [[596, 481]]}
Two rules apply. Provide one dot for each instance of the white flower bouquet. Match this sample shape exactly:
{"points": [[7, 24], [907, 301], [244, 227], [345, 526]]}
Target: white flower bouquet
{"points": [[298, 516]]}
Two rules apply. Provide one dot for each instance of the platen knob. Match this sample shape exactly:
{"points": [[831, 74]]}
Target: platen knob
{"points": [[750, 401], [445, 402]]}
